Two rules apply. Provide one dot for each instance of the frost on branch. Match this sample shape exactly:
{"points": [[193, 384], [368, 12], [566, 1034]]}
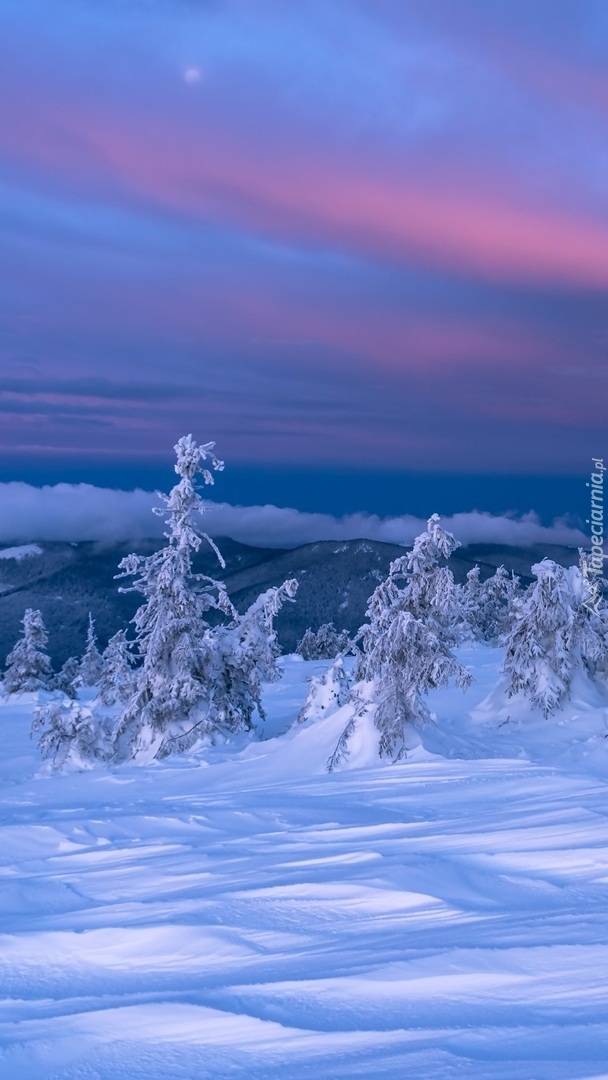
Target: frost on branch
{"points": [[28, 667]]}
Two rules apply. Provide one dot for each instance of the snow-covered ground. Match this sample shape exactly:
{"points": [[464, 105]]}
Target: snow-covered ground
{"points": [[249, 916]]}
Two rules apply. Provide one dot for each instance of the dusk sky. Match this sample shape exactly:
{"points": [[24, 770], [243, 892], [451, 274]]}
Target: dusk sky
{"points": [[333, 236]]}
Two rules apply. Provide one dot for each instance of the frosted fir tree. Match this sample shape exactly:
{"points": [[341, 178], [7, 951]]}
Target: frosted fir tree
{"points": [[246, 655], [325, 644], [496, 599], [91, 664], [174, 642], [406, 646], [117, 679], [405, 660], [28, 667], [68, 733], [66, 680], [418, 585], [553, 636], [470, 599], [486, 605]]}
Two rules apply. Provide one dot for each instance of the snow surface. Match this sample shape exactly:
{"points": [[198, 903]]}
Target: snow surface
{"points": [[24, 551], [246, 915]]}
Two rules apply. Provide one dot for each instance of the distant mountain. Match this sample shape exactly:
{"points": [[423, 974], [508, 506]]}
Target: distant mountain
{"points": [[66, 581]]}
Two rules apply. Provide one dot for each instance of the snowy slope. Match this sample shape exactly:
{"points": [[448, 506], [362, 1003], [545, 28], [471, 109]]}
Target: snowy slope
{"points": [[253, 917]]}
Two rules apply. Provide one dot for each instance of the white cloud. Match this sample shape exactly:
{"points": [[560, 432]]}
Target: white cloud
{"points": [[82, 512]]}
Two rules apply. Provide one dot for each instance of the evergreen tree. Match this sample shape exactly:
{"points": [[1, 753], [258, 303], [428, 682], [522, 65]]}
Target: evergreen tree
{"points": [[553, 635], [28, 667], [470, 597], [178, 665], [91, 664], [66, 680], [117, 679], [325, 644], [246, 656], [496, 598], [68, 732], [406, 660], [406, 647]]}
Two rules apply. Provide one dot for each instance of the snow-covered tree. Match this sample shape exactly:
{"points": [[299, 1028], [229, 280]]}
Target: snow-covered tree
{"points": [[470, 597], [91, 664], [406, 646], [405, 660], [326, 693], [417, 585], [553, 635], [174, 641], [246, 656], [68, 732], [487, 604], [66, 680], [28, 667], [325, 644], [117, 679]]}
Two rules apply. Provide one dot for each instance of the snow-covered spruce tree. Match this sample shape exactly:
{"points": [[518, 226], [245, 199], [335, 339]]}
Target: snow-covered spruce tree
{"points": [[497, 595], [245, 656], [405, 659], [117, 679], [553, 635], [325, 644], [91, 664], [172, 698], [486, 605], [418, 585], [68, 732], [28, 667], [406, 647], [470, 597], [66, 680]]}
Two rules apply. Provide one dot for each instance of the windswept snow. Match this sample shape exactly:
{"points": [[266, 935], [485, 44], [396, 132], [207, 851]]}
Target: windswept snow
{"points": [[249, 916], [24, 551]]}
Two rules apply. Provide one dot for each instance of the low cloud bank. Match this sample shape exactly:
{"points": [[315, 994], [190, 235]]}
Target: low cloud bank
{"points": [[73, 512]]}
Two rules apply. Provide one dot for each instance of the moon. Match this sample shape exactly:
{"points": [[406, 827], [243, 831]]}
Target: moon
{"points": [[192, 75]]}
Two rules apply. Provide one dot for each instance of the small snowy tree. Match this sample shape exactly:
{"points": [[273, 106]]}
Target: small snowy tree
{"points": [[117, 679], [406, 660], [406, 646], [172, 693], [91, 664], [470, 597], [495, 605], [28, 667], [486, 605], [325, 644], [71, 733], [246, 656], [326, 693], [66, 680], [553, 635]]}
